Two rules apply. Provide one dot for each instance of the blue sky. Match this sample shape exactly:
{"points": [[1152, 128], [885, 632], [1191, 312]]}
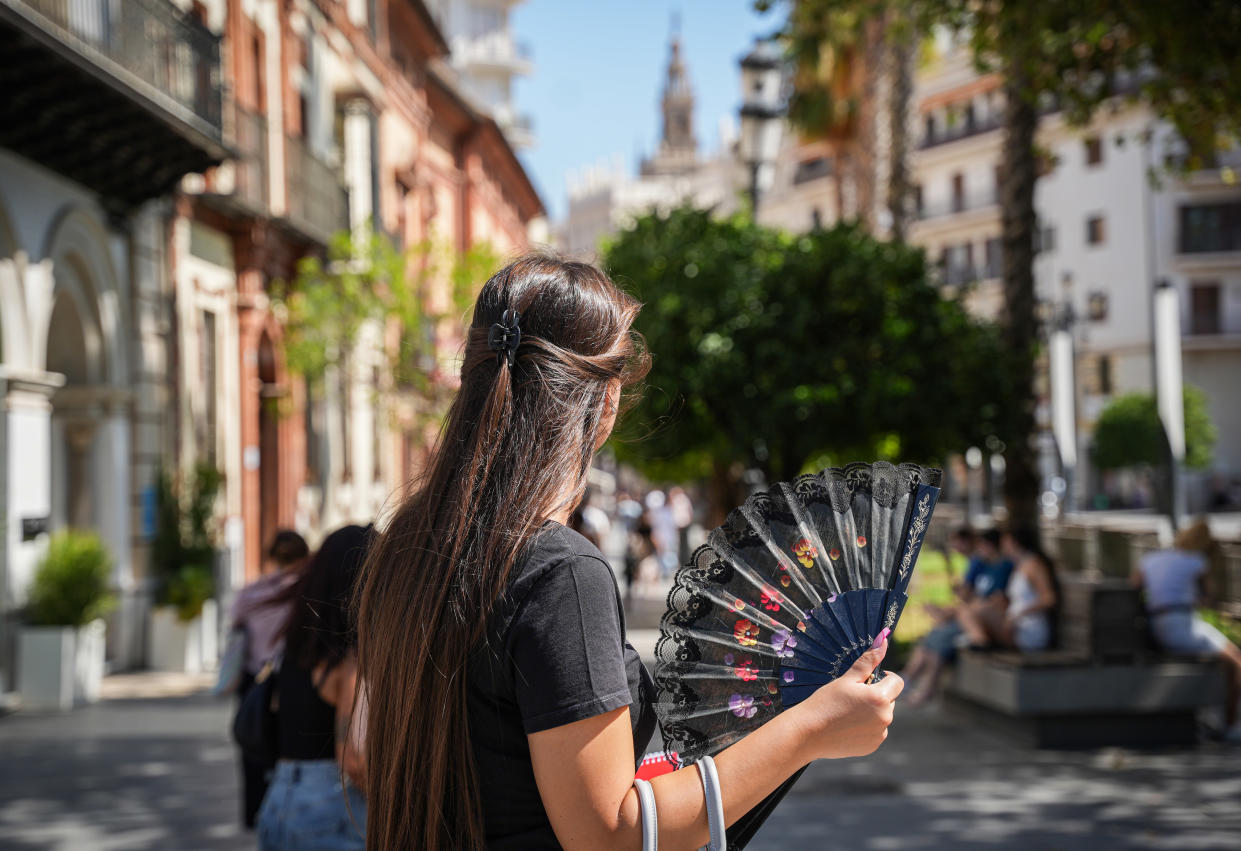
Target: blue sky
{"points": [[599, 71]]}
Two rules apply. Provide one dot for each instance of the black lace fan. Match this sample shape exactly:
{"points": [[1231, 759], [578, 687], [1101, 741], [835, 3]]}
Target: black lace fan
{"points": [[784, 597]]}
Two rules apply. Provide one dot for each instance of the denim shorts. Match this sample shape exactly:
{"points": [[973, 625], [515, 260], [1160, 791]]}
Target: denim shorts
{"points": [[305, 809]]}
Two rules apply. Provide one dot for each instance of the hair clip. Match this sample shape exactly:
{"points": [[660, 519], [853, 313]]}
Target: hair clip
{"points": [[505, 336]]}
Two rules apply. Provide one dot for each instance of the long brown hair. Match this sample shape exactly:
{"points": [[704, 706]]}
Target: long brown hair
{"points": [[515, 440]]}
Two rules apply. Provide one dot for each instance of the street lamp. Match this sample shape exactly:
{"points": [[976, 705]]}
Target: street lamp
{"points": [[762, 109], [1063, 397]]}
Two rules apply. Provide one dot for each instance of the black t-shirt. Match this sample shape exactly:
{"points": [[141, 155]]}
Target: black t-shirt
{"points": [[555, 653]]}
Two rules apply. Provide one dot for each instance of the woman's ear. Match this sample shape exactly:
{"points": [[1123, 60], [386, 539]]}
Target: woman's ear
{"points": [[611, 404]]}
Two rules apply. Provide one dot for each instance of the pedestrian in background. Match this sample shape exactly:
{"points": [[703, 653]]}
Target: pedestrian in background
{"points": [[1175, 580], [308, 807], [259, 613]]}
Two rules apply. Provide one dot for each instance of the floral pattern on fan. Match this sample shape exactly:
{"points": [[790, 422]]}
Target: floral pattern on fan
{"points": [[784, 596]]}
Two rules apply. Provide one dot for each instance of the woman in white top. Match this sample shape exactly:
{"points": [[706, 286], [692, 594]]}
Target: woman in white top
{"points": [[1021, 617], [1174, 580]]}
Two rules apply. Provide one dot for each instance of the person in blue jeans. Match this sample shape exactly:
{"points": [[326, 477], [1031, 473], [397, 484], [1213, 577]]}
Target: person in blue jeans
{"points": [[987, 575], [309, 807]]}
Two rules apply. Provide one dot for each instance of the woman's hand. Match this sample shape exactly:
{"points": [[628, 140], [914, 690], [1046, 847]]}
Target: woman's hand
{"points": [[850, 717]]}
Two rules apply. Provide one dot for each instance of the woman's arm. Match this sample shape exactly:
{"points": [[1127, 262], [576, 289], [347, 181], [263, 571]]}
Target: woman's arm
{"points": [[585, 772], [338, 689]]}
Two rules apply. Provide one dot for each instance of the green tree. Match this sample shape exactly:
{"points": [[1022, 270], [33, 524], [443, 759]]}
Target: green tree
{"points": [[183, 550], [1129, 434], [1182, 58], [780, 352], [368, 279]]}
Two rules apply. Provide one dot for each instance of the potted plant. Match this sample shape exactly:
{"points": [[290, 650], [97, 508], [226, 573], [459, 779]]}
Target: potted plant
{"points": [[184, 633], [61, 645]]}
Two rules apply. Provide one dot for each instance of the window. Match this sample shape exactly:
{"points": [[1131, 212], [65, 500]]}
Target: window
{"points": [[1105, 375], [918, 203], [812, 169], [958, 192], [1096, 306], [1094, 151], [993, 253], [1210, 227], [1204, 307], [816, 219], [312, 434], [1045, 239], [376, 421], [1096, 232], [346, 417], [209, 374], [928, 133], [971, 122]]}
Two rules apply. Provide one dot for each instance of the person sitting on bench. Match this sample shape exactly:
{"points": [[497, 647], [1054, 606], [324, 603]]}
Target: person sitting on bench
{"points": [[987, 574], [1174, 579], [1025, 621]]}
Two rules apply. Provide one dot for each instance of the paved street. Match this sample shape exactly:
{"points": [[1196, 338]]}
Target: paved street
{"points": [[145, 772]]}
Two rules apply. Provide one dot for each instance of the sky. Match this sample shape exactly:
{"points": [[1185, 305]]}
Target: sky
{"points": [[599, 68]]}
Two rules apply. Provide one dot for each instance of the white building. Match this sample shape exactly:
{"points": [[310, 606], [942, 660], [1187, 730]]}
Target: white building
{"points": [[488, 58], [1107, 234]]}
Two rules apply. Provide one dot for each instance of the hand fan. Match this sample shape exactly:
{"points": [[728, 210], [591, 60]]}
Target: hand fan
{"points": [[784, 597]]}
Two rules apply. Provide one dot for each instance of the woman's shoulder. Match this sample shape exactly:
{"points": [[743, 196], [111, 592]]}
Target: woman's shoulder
{"points": [[557, 554]]}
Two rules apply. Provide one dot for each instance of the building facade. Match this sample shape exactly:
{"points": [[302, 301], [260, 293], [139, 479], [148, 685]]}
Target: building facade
{"points": [[138, 330], [1116, 217], [107, 106], [488, 58]]}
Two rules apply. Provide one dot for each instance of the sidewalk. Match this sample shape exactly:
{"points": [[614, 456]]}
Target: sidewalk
{"points": [[140, 772], [150, 767]]}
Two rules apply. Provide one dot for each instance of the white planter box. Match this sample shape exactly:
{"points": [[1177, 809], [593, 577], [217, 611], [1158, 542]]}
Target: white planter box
{"points": [[187, 647], [60, 667]]}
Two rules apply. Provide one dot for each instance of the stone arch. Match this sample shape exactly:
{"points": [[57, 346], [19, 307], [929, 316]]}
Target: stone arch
{"points": [[14, 330], [77, 246]]}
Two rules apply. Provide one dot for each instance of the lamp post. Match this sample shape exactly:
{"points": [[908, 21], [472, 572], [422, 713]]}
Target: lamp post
{"points": [[1169, 388], [1063, 398], [762, 109]]}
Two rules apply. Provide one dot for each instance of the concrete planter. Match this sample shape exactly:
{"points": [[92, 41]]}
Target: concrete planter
{"points": [[189, 647], [60, 667]]}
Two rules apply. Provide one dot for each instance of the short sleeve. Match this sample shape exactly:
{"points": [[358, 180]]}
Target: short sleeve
{"points": [[567, 646]]}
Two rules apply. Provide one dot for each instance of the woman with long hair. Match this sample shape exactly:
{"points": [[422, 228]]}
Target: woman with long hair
{"points": [[309, 807], [506, 708]]}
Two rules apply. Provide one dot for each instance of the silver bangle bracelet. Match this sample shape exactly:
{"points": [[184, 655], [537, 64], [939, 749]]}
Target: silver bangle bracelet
{"points": [[715, 804], [650, 819]]}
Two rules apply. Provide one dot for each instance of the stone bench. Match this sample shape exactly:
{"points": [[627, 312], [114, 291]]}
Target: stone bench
{"points": [[1061, 699]]}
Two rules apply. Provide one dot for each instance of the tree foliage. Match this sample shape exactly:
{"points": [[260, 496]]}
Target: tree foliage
{"points": [[368, 279], [1129, 434], [779, 351]]}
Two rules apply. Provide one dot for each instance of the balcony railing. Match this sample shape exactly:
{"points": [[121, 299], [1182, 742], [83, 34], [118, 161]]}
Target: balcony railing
{"points": [[961, 130], [498, 49], [153, 40], [318, 201], [250, 167], [953, 206]]}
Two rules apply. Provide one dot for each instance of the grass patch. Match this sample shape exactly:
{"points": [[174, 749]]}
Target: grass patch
{"points": [[931, 585]]}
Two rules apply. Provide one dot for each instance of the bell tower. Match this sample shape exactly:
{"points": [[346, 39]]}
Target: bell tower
{"points": [[678, 149]]}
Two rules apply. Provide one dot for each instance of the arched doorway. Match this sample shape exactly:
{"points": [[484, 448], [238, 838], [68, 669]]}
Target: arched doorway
{"points": [[269, 443], [73, 350]]}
